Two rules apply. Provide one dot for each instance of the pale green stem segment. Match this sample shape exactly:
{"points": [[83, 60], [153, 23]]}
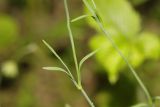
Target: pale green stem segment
{"points": [[94, 4], [72, 44], [75, 57], [96, 17], [87, 98]]}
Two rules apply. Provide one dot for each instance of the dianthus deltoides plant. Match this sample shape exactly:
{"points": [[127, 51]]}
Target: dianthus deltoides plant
{"points": [[91, 6]]}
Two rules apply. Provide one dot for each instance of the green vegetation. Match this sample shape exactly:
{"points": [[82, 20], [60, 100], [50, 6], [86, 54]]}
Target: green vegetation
{"points": [[132, 21], [77, 66], [121, 69], [8, 31]]}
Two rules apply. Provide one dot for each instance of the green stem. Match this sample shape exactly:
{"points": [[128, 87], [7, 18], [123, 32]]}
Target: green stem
{"points": [[72, 43], [128, 64], [119, 52], [94, 4], [75, 58], [87, 98]]}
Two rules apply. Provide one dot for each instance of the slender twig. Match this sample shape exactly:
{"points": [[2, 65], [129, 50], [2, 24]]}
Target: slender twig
{"points": [[87, 98], [96, 17], [75, 57], [94, 4], [72, 43]]}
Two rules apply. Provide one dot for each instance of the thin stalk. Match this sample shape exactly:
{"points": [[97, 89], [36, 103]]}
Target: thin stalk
{"points": [[94, 4], [72, 43], [119, 52], [128, 64], [87, 98], [75, 58]]}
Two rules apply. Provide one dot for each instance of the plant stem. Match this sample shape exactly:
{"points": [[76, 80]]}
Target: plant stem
{"points": [[72, 43], [75, 58], [119, 52], [128, 64], [87, 98], [93, 4]]}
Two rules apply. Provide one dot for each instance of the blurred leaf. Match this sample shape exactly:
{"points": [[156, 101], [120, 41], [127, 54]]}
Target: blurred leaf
{"points": [[121, 21], [108, 57], [150, 44], [114, 63], [8, 30], [118, 15], [146, 47], [136, 57]]}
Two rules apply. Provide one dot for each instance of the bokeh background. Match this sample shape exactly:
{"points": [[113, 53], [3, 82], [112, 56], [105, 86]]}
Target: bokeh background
{"points": [[133, 24]]}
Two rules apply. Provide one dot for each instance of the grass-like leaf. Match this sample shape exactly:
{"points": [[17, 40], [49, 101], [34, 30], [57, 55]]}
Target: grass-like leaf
{"points": [[87, 57], [59, 58], [56, 69], [79, 18], [54, 52], [140, 105]]}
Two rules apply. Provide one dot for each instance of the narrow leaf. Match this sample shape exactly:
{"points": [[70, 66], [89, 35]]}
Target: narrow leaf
{"points": [[87, 57], [56, 69], [54, 52], [79, 18]]}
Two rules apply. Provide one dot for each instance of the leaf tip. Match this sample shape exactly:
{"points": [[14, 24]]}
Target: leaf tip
{"points": [[43, 41], [44, 68]]}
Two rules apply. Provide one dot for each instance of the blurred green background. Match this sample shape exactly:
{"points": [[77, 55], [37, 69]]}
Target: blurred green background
{"points": [[133, 24]]}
